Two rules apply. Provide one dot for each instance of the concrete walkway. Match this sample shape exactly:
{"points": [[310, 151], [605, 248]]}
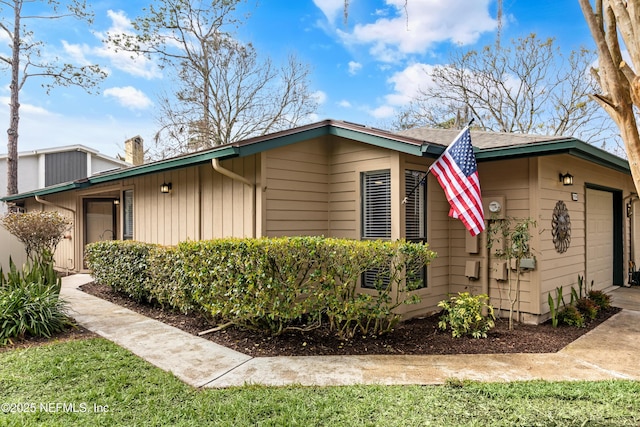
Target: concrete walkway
{"points": [[611, 351]]}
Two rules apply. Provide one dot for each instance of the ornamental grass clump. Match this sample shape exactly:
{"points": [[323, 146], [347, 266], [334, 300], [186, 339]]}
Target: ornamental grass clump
{"points": [[30, 303], [462, 314]]}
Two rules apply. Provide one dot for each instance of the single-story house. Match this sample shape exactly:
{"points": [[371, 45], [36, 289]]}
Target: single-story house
{"points": [[344, 180]]}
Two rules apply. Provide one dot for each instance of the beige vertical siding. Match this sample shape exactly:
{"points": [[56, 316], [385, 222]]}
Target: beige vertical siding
{"points": [[203, 204], [228, 205], [297, 189], [563, 269], [65, 256], [348, 160], [513, 180], [12, 249], [438, 238], [165, 218]]}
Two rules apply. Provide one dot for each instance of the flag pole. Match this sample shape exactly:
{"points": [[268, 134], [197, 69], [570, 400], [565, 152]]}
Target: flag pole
{"points": [[404, 201], [413, 190]]}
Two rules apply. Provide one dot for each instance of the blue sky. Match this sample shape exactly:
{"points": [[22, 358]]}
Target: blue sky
{"points": [[363, 70]]}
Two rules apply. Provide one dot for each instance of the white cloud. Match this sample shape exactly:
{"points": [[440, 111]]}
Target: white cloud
{"points": [[41, 128], [354, 67], [320, 97], [77, 52], [383, 112], [130, 63], [408, 83], [129, 97], [25, 108], [422, 24], [330, 8], [344, 104]]}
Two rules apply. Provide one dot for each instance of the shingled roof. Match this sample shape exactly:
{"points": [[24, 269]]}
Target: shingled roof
{"points": [[423, 142], [480, 139]]}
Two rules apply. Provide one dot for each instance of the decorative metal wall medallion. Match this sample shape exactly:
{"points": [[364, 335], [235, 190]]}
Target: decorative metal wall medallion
{"points": [[561, 227]]}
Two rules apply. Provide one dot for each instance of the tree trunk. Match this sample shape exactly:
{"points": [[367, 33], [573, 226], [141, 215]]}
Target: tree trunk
{"points": [[618, 82], [14, 114], [626, 121]]}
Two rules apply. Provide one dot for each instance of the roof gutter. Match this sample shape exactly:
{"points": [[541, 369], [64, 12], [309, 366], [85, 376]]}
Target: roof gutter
{"points": [[226, 172], [48, 203], [215, 162]]}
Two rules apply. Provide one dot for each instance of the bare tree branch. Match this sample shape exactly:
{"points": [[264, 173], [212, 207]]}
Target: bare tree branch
{"points": [[223, 92], [609, 21], [528, 87], [26, 56]]}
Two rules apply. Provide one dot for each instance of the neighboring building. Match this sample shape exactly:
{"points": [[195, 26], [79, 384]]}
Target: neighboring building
{"points": [[52, 166], [343, 180]]}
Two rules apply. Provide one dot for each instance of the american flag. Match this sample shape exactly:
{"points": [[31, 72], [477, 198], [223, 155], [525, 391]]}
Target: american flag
{"points": [[457, 173]]}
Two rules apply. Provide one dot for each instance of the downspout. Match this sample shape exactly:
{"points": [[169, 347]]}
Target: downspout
{"points": [[226, 172], [73, 212], [485, 277]]}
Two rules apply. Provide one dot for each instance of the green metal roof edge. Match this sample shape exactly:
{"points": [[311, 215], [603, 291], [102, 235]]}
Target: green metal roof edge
{"points": [[571, 146], [359, 133], [59, 188], [379, 140], [165, 165]]}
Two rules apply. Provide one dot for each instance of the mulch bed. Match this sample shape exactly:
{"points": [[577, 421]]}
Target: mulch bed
{"points": [[415, 336], [70, 334]]}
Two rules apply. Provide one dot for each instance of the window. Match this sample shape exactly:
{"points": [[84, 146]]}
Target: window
{"points": [[376, 204], [127, 206], [376, 278], [415, 207], [376, 219], [415, 219]]}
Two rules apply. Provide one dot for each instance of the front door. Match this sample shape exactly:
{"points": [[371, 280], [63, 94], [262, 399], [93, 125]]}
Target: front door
{"points": [[99, 220], [604, 238]]}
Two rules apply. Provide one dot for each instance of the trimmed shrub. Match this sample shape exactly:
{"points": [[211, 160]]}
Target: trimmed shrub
{"points": [[40, 232], [122, 265], [167, 283], [30, 303], [462, 314], [271, 284]]}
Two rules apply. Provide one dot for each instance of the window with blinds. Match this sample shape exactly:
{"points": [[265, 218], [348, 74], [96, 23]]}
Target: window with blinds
{"points": [[415, 207], [416, 220], [376, 204], [127, 206], [376, 219]]}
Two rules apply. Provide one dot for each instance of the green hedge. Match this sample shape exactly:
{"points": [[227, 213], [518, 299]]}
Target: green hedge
{"points": [[273, 284], [123, 265]]}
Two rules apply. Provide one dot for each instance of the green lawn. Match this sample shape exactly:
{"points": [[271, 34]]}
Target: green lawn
{"points": [[43, 385]]}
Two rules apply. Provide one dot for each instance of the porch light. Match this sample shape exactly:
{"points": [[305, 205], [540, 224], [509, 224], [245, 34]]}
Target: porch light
{"points": [[566, 179], [165, 188], [116, 202]]}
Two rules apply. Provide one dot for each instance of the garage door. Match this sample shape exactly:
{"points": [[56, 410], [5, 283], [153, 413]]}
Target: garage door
{"points": [[600, 238]]}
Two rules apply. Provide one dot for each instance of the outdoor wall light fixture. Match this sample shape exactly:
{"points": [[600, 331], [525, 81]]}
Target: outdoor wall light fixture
{"points": [[566, 179], [116, 201], [165, 188]]}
